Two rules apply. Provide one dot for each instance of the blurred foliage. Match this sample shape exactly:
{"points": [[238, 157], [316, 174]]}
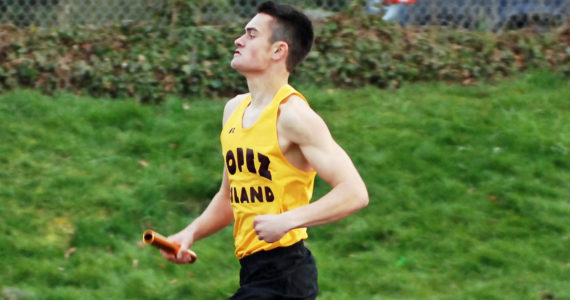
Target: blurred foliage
{"points": [[468, 185], [148, 61]]}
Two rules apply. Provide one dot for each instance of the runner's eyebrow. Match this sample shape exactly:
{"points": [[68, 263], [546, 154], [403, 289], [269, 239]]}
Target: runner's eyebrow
{"points": [[248, 29]]}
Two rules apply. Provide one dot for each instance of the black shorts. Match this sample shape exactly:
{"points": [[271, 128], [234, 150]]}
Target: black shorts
{"points": [[281, 273]]}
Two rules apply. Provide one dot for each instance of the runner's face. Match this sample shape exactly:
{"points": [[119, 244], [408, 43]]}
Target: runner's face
{"points": [[253, 53]]}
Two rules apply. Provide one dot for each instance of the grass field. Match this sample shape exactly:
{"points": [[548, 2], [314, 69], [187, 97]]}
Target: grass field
{"points": [[469, 190]]}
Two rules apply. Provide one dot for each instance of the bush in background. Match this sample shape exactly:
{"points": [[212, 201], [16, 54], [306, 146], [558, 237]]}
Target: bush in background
{"points": [[149, 61]]}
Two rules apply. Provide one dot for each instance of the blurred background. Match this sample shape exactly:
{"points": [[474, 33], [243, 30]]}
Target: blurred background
{"points": [[473, 14]]}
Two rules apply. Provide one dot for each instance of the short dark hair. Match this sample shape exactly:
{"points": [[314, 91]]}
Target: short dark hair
{"points": [[293, 27]]}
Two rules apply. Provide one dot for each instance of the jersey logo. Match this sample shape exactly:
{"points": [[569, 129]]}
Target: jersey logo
{"points": [[244, 161], [232, 130], [235, 162]]}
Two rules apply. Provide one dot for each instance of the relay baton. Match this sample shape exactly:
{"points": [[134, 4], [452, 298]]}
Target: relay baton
{"points": [[155, 239]]}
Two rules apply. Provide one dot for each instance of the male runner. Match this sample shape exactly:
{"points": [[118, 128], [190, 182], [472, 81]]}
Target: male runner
{"points": [[273, 145]]}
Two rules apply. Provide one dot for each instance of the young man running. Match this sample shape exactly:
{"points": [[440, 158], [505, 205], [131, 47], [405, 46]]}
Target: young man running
{"points": [[273, 146]]}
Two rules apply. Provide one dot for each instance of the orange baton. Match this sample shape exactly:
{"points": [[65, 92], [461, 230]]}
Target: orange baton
{"points": [[155, 239]]}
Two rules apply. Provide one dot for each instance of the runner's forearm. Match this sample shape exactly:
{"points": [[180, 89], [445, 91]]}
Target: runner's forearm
{"points": [[215, 217], [342, 201]]}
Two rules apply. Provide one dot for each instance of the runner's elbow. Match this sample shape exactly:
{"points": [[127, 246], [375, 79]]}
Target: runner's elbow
{"points": [[362, 198], [359, 197]]}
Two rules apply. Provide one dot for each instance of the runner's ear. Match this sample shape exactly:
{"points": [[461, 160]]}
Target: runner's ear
{"points": [[280, 50]]}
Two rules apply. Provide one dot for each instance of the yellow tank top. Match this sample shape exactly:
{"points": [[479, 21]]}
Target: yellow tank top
{"points": [[261, 179]]}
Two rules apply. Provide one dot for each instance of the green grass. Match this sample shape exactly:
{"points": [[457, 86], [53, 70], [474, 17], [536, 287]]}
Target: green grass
{"points": [[469, 189]]}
